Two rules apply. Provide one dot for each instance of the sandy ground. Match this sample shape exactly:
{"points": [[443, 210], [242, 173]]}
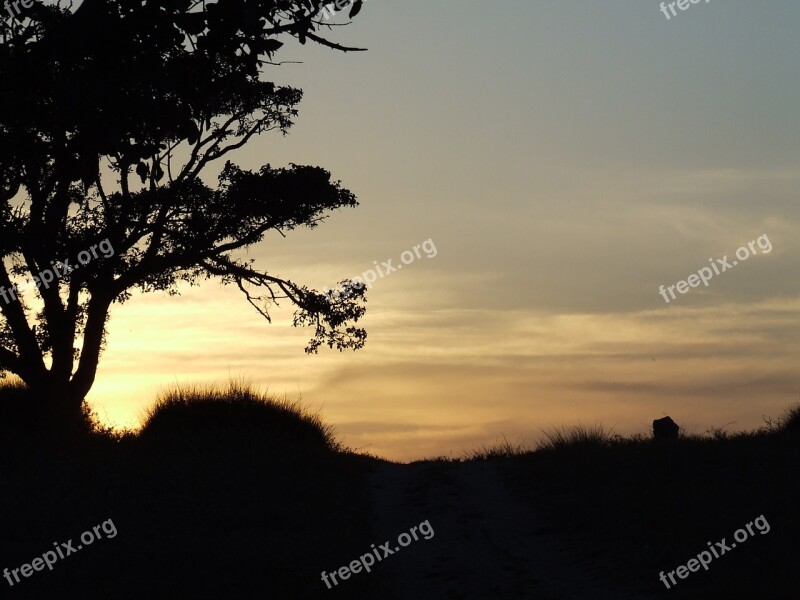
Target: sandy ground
{"points": [[488, 543]]}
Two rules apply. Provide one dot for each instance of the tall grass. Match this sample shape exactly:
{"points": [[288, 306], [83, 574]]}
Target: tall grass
{"points": [[501, 449], [577, 436], [596, 436], [790, 422], [238, 408], [558, 438]]}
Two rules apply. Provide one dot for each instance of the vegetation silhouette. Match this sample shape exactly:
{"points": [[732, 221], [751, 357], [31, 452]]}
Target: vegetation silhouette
{"points": [[150, 94], [226, 492], [215, 416], [645, 506], [111, 112]]}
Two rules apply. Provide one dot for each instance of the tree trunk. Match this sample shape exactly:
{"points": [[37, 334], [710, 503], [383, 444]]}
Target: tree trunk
{"points": [[57, 395], [83, 379]]}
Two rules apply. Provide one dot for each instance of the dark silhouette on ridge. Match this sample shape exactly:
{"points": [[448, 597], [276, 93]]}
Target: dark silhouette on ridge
{"points": [[665, 429]]}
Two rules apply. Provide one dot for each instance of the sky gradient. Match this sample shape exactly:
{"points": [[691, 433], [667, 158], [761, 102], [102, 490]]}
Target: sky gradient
{"points": [[566, 159]]}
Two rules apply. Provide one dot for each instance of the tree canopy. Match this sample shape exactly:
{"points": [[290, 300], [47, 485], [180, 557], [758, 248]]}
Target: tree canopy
{"points": [[109, 113]]}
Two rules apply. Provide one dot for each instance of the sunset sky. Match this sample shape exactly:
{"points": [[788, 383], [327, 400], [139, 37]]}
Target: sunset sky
{"points": [[566, 159]]}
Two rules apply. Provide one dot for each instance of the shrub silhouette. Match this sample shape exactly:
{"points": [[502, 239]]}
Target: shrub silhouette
{"points": [[214, 415], [24, 415], [225, 492], [791, 420], [575, 437]]}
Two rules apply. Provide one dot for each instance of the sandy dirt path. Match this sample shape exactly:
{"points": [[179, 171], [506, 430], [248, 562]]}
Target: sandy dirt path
{"points": [[488, 544]]}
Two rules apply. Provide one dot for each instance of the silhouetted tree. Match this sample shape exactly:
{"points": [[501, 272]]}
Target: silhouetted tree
{"points": [[155, 90]]}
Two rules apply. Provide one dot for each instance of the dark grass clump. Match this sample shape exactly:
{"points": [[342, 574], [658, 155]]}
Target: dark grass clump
{"points": [[557, 440], [239, 412], [790, 423], [254, 490], [501, 449], [578, 437], [224, 493]]}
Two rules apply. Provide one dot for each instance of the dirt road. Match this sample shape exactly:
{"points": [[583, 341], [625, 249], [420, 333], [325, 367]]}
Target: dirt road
{"points": [[488, 543]]}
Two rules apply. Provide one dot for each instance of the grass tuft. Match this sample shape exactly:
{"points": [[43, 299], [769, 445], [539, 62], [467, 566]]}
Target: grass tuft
{"points": [[790, 423], [577, 436], [212, 412], [501, 449]]}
